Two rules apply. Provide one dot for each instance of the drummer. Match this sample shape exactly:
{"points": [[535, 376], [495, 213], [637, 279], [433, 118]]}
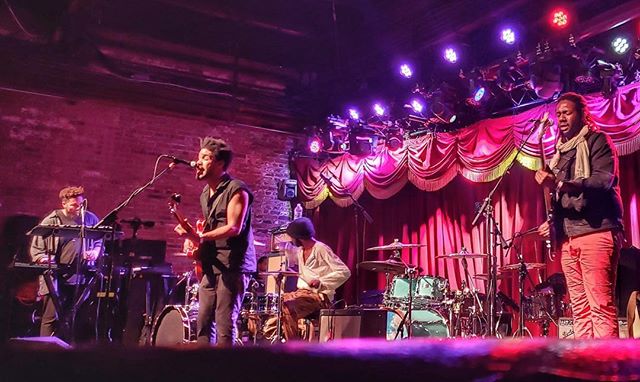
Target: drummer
{"points": [[320, 273], [63, 250]]}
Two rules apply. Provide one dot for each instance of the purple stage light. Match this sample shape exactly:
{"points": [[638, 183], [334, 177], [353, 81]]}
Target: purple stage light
{"points": [[508, 36], [379, 109], [450, 55], [417, 106], [406, 71], [353, 114]]}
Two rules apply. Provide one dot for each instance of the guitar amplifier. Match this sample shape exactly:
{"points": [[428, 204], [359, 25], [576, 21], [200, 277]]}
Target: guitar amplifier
{"points": [[565, 328], [353, 323]]}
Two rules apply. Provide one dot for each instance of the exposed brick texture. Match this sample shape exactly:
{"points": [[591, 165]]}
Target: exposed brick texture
{"points": [[47, 143]]}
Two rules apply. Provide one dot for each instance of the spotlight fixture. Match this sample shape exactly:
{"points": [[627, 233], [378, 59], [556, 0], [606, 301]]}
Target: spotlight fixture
{"points": [[315, 144], [394, 139], [379, 109], [417, 105], [354, 114], [405, 71], [450, 55], [620, 45], [362, 141], [508, 36], [479, 94], [560, 18]]}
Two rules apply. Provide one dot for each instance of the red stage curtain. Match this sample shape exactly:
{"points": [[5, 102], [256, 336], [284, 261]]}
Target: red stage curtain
{"points": [[441, 219]]}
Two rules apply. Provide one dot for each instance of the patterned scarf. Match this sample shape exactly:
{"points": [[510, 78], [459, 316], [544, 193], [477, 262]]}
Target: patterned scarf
{"points": [[582, 169]]}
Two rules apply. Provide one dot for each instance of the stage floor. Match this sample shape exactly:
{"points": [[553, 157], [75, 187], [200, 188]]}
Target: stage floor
{"points": [[344, 360]]}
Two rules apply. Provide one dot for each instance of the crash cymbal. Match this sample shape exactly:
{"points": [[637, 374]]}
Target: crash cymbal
{"points": [[384, 266], [395, 246], [278, 273], [516, 267], [485, 277]]}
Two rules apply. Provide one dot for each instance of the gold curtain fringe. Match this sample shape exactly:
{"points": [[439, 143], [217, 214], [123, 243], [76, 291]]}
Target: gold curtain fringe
{"points": [[433, 184], [629, 147], [347, 201], [315, 202]]}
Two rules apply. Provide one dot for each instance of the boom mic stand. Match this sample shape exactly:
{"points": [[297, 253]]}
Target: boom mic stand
{"points": [[110, 220], [492, 232], [358, 209]]}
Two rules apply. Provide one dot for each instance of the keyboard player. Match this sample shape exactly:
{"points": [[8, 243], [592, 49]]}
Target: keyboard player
{"points": [[63, 250]]}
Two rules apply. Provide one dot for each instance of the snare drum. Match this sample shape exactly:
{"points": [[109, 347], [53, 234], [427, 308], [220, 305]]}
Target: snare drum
{"points": [[425, 323], [176, 325]]}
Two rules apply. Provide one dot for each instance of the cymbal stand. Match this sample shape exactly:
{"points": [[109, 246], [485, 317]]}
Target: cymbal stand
{"points": [[412, 272], [478, 310], [522, 275], [279, 286]]}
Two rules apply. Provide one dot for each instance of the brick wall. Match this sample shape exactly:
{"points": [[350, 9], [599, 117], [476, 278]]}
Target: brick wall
{"points": [[47, 143]]}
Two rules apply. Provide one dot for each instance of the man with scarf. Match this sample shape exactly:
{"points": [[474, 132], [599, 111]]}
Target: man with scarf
{"points": [[587, 216]]}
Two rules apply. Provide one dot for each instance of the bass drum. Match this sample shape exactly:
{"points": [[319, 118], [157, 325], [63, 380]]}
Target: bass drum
{"points": [[425, 323], [176, 325]]}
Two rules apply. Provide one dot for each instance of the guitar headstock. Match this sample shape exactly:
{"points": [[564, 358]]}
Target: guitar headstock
{"points": [[174, 200], [544, 123]]}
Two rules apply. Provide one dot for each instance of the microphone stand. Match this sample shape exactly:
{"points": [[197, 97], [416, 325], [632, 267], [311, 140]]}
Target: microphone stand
{"points": [[110, 220], [78, 278], [358, 208], [492, 232]]}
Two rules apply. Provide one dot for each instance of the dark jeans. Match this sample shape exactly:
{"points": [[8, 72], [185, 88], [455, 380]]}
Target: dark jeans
{"points": [[220, 297]]}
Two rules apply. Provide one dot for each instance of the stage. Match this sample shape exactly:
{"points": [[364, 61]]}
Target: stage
{"points": [[345, 360]]}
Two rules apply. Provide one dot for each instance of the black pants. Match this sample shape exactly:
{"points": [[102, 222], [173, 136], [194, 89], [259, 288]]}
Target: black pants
{"points": [[50, 323], [220, 297]]}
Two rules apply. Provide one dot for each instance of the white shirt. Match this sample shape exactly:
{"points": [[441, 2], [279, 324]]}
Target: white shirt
{"points": [[322, 264]]}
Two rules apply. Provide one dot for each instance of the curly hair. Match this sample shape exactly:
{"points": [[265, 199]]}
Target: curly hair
{"points": [[219, 148], [71, 192], [581, 107]]}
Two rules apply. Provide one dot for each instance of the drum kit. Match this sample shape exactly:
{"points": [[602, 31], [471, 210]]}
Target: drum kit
{"points": [[434, 310]]}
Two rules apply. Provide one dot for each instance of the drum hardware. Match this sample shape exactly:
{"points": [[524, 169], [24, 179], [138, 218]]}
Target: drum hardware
{"points": [[280, 276], [523, 273]]}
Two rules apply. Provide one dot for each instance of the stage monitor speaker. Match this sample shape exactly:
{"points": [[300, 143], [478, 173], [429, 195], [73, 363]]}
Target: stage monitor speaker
{"points": [[565, 328], [287, 189], [353, 323], [38, 343]]}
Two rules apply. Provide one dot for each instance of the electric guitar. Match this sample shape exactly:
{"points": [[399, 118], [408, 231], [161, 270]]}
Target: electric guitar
{"points": [[191, 248], [551, 243]]}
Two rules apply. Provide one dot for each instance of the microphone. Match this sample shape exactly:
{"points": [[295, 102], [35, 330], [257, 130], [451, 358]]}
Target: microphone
{"points": [[547, 121], [181, 161]]}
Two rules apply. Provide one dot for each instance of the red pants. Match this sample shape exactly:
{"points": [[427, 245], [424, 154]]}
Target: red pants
{"points": [[589, 264]]}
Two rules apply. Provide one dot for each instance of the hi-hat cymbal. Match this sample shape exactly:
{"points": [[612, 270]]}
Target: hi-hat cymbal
{"points": [[395, 246], [516, 267], [278, 273], [384, 266]]}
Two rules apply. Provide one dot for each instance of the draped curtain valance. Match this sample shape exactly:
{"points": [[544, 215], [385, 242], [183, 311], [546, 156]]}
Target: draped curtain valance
{"points": [[480, 153]]}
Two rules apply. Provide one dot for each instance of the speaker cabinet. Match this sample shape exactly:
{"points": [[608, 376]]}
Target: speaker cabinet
{"points": [[565, 328], [353, 323]]}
